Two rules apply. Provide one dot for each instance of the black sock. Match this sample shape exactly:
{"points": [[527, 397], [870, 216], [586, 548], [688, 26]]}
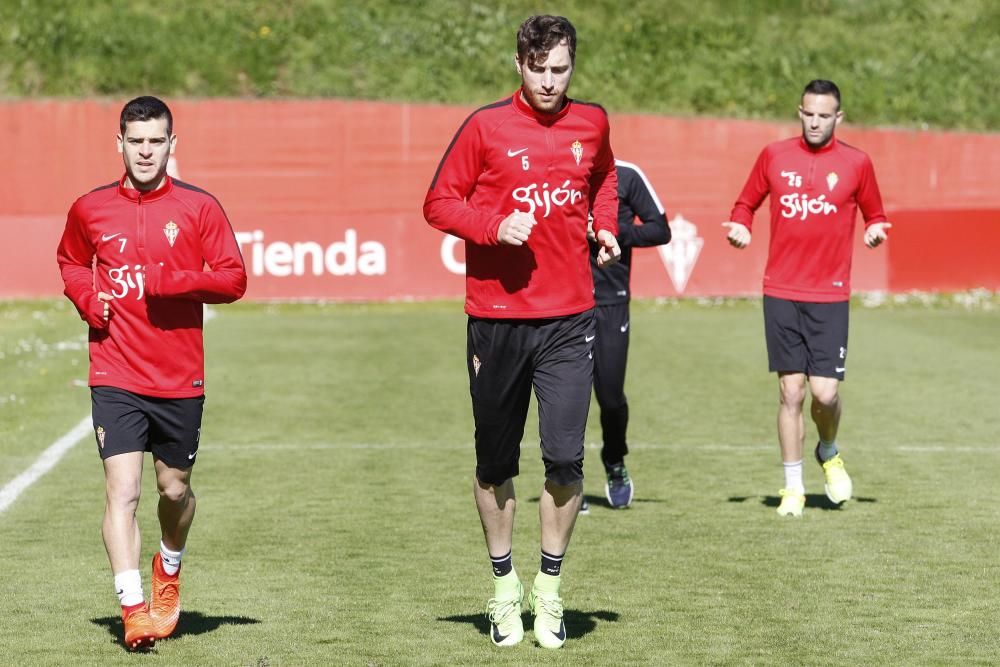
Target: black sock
{"points": [[551, 564], [502, 565]]}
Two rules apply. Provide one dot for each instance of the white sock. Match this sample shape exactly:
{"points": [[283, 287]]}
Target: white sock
{"points": [[171, 559], [128, 586], [793, 476], [827, 450]]}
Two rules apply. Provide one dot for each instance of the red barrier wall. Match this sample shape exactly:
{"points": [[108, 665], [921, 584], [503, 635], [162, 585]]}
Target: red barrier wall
{"points": [[326, 195], [945, 250]]}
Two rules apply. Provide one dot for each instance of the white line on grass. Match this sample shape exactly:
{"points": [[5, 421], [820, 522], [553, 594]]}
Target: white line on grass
{"points": [[50, 457], [278, 446], [948, 449], [45, 462], [281, 446]]}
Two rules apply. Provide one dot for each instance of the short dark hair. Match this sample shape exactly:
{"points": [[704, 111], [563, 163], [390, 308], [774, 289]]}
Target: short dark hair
{"points": [[540, 34], [822, 87], [146, 107]]}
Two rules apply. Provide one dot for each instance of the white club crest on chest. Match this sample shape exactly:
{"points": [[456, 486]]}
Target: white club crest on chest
{"points": [[831, 180], [577, 149], [171, 230]]}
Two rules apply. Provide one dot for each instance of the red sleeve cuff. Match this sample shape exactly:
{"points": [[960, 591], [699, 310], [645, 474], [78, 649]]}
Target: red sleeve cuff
{"points": [[493, 230], [94, 315]]}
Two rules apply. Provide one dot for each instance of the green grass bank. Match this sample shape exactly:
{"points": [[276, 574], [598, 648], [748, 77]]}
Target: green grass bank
{"points": [[899, 62]]}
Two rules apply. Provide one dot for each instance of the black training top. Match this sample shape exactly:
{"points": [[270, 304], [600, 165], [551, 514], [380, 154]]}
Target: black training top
{"points": [[636, 199]]}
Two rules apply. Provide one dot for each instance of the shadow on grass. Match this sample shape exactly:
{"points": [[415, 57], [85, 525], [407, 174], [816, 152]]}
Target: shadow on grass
{"points": [[190, 623], [601, 501], [816, 500], [578, 623]]}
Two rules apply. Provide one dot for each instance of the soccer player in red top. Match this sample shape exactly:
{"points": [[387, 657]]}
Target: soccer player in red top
{"points": [[816, 185], [516, 184], [139, 258]]}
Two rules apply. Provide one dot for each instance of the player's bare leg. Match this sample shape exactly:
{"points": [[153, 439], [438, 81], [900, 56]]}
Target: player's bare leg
{"points": [[791, 426], [791, 433], [496, 504], [176, 512], [558, 508], [177, 504], [825, 409], [123, 478]]}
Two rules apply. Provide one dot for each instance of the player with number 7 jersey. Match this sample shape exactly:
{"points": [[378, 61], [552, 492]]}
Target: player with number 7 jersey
{"points": [[151, 250], [139, 258]]}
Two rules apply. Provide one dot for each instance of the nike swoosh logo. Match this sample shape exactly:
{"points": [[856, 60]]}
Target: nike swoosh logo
{"points": [[587, 339], [191, 456], [108, 237], [625, 327], [561, 635], [511, 153], [497, 637], [840, 369]]}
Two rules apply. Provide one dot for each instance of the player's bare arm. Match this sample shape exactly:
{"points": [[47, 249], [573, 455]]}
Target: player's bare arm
{"points": [[739, 235], [515, 228], [876, 234]]}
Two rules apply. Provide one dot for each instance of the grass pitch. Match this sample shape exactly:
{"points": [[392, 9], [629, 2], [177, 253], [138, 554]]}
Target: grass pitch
{"points": [[336, 524]]}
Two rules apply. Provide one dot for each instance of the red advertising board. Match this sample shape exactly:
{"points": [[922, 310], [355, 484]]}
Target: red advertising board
{"points": [[325, 196], [947, 250]]}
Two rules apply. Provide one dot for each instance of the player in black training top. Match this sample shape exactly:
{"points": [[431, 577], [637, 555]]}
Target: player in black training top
{"points": [[636, 199]]}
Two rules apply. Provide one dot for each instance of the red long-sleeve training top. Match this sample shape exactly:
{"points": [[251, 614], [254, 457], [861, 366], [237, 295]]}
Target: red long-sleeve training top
{"points": [[557, 167], [815, 194], [151, 251]]}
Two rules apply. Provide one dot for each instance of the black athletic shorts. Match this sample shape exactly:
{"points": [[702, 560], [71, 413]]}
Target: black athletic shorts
{"points": [[507, 358], [126, 422], [805, 337]]}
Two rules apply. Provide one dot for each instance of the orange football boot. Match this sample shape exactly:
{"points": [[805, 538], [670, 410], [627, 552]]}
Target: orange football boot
{"points": [[139, 632], [165, 605]]}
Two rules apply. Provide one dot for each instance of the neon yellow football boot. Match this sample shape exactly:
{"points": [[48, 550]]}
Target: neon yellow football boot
{"points": [[838, 484], [546, 605], [792, 502], [504, 610]]}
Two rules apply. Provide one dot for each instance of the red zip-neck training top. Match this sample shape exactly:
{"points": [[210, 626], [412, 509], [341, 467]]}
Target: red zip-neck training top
{"points": [[814, 196], [557, 167], [151, 250]]}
